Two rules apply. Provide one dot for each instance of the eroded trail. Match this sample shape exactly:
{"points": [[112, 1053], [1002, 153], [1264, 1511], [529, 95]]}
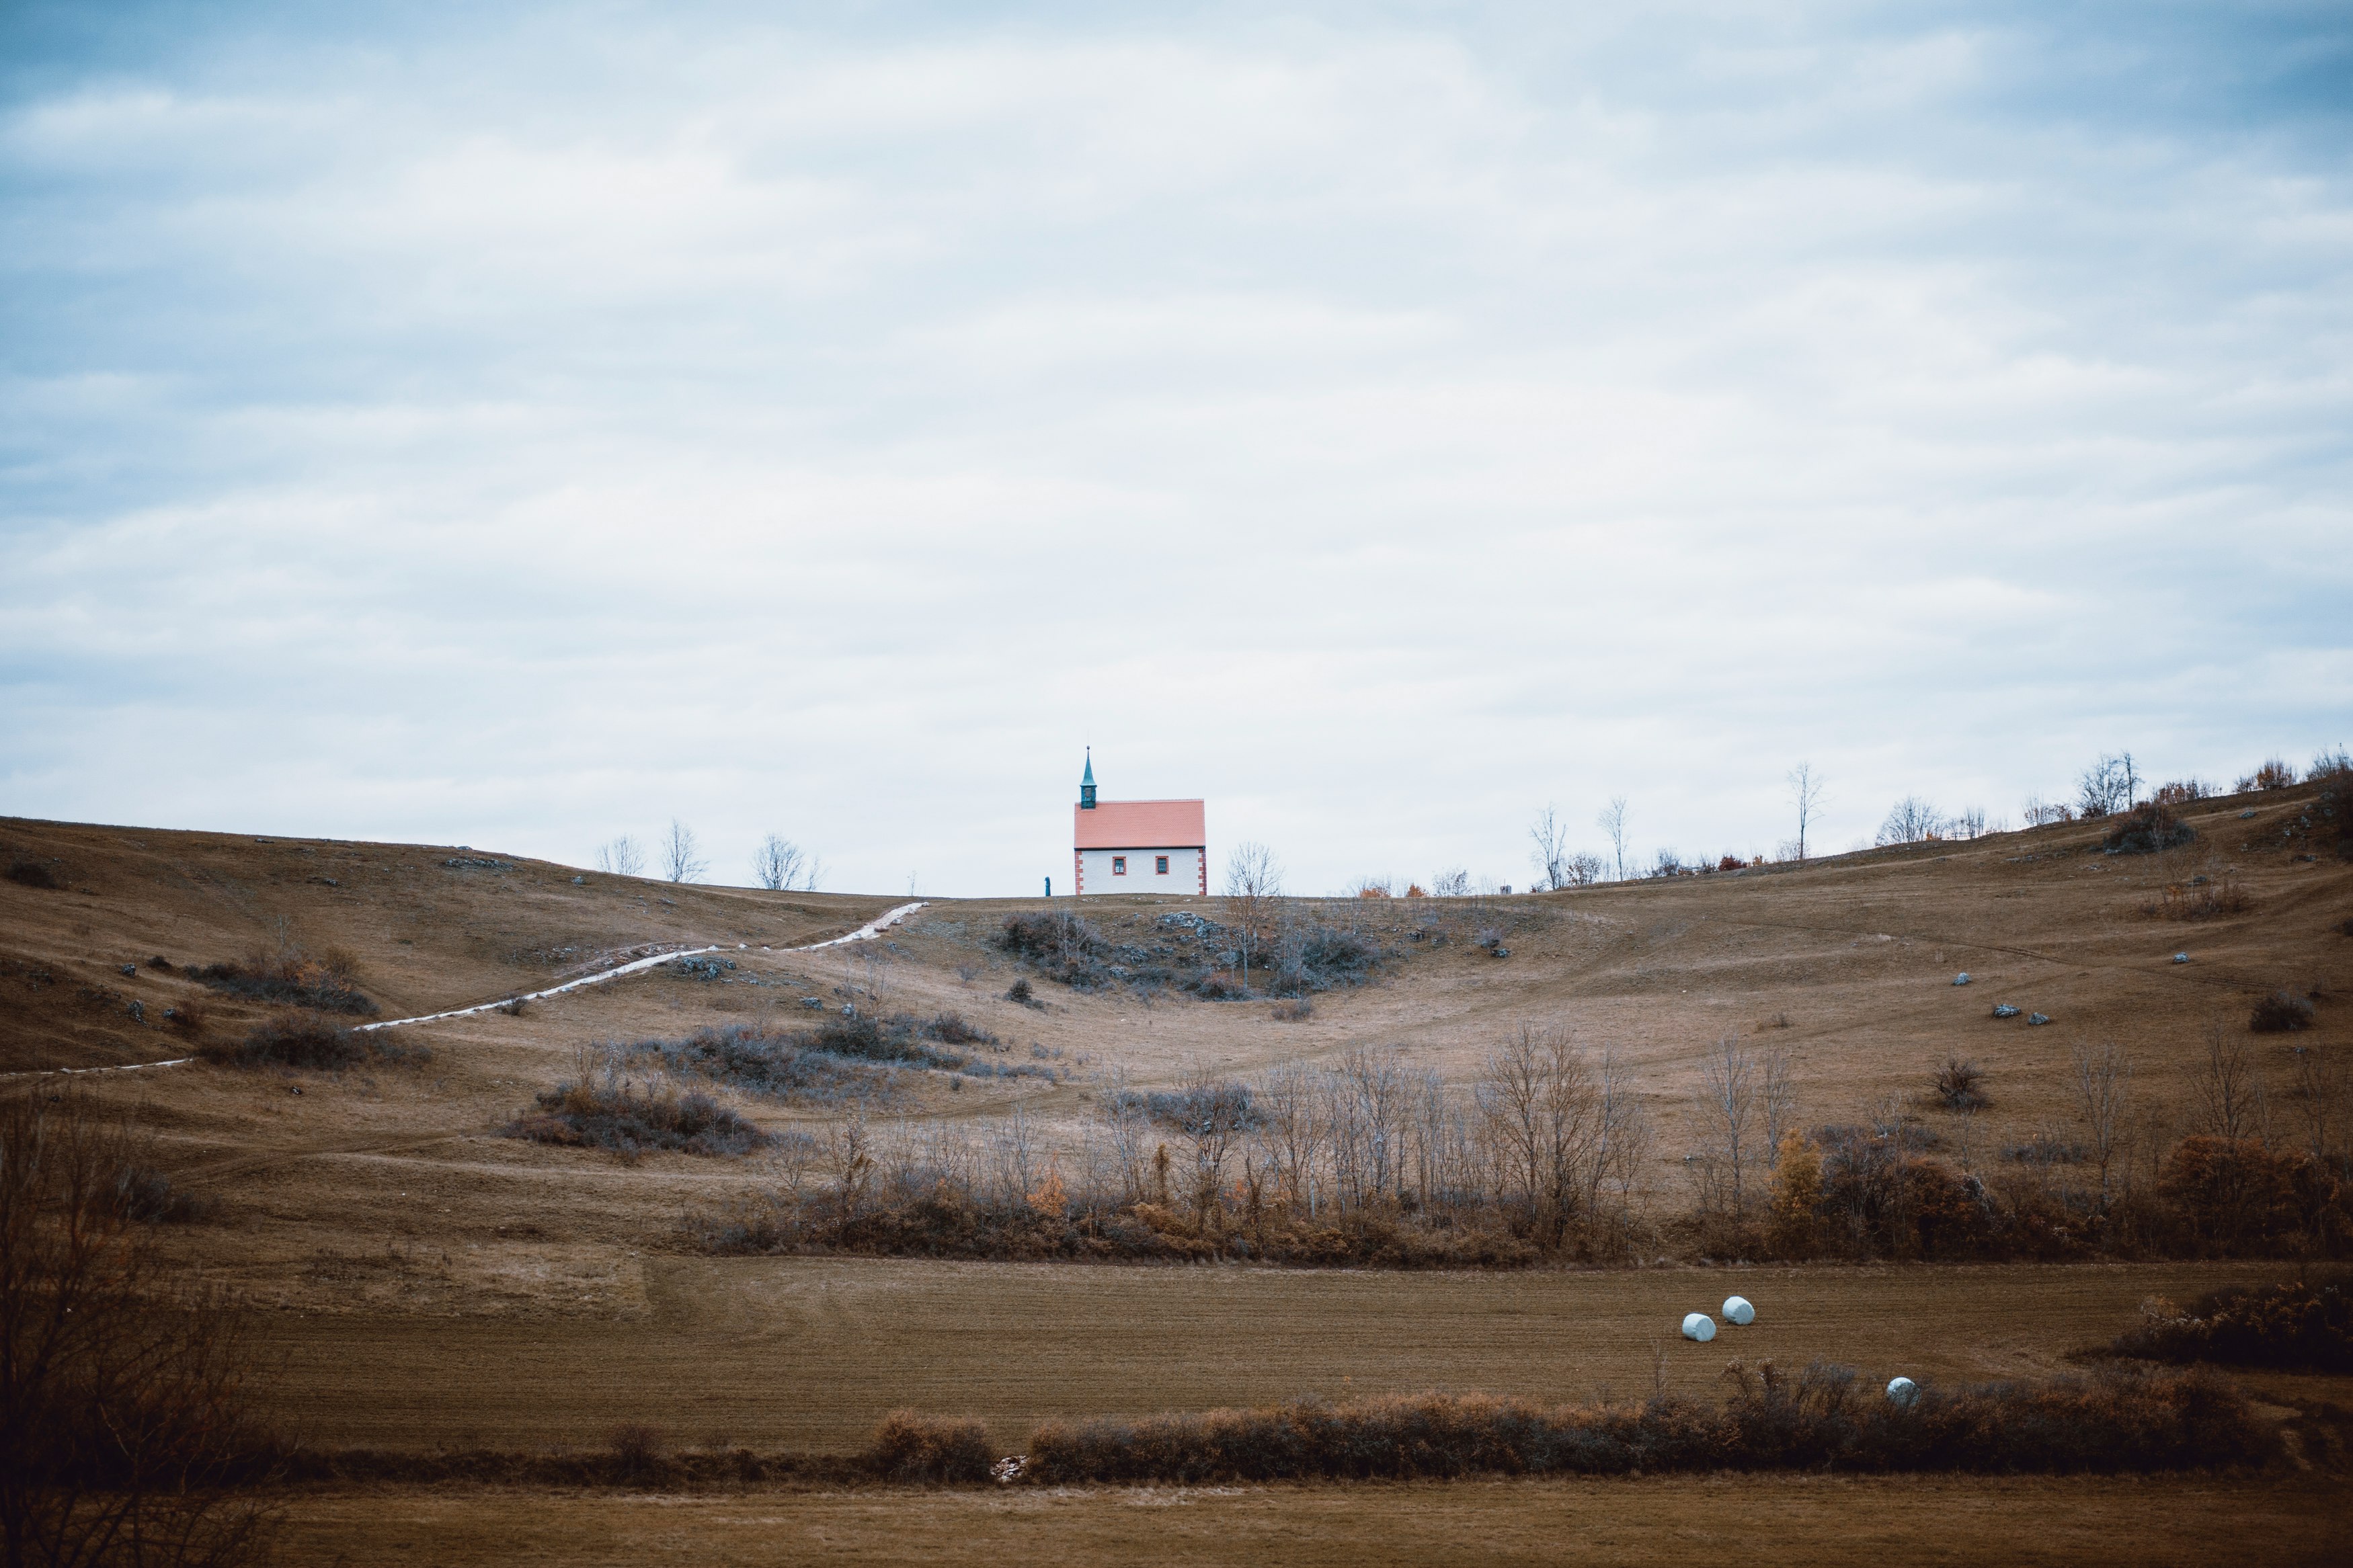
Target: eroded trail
{"points": [[867, 933]]}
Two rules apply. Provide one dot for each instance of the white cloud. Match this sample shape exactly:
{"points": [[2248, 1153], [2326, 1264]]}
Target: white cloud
{"points": [[511, 433]]}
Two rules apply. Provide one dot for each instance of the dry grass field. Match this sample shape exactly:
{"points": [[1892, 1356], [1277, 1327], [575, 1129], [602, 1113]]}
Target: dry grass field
{"points": [[419, 1281], [2065, 1523]]}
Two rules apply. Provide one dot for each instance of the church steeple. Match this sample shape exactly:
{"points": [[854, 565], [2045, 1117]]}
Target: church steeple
{"points": [[1087, 783]]}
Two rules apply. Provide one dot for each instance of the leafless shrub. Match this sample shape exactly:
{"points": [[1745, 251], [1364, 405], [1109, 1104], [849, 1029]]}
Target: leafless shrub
{"points": [[2040, 813], [2275, 774], [1960, 1085], [123, 1431], [638, 1448], [2281, 1013]]}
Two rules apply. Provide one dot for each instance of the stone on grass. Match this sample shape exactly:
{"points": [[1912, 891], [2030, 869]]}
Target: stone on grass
{"points": [[2004, 1010], [1962, 978], [2038, 1018]]}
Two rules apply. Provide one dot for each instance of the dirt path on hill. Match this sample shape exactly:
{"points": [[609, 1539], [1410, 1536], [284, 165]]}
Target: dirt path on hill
{"points": [[867, 933]]}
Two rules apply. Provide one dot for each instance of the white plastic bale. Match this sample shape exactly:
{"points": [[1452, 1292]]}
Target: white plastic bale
{"points": [[1902, 1390], [1736, 1309], [1699, 1326]]}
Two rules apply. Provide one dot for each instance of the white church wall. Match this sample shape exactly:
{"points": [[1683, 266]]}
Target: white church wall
{"points": [[1183, 877]]}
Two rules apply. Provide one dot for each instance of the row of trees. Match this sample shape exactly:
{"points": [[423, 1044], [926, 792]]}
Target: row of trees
{"points": [[778, 865], [1549, 1153], [2110, 787]]}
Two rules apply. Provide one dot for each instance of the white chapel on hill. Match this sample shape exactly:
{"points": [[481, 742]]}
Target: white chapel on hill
{"points": [[1138, 845]]}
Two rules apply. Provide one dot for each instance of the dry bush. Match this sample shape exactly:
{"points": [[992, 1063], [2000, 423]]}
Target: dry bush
{"points": [[1960, 1085], [1292, 1011], [1826, 1417], [2303, 1325], [2282, 1012], [324, 983], [2202, 897], [27, 873], [309, 1040], [932, 1449], [2237, 1196], [638, 1449], [190, 1017], [602, 1109], [2274, 773], [2147, 829], [123, 1431]]}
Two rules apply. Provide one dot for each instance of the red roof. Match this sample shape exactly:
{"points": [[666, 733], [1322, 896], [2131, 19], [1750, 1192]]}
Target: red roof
{"points": [[1140, 825]]}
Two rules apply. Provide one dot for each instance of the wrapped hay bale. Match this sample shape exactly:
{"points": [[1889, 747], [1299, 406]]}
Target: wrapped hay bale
{"points": [[1699, 1326], [1901, 1391], [1737, 1311]]}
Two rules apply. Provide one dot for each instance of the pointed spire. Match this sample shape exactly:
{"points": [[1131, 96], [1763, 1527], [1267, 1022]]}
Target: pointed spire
{"points": [[1087, 783]]}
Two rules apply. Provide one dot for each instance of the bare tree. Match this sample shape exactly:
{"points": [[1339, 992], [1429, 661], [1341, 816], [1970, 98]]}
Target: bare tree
{"points": [[1627, 1134], [1971, 823], [1545, 1118], [2102, 1077], [1552, 853], [1777, 1086], [1453, 884], [1806, 794], [1911, 821], [1612, 821], [621, 857], [1727, 1109], [123, 1435], [2229, 1097], [2109, 785], [1253, 884], [1585, 868], [780, 865], [2320, 1088], [681, 862]]}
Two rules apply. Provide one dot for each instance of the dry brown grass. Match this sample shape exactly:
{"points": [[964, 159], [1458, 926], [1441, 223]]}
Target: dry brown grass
{"points": [[1838, 1522]]}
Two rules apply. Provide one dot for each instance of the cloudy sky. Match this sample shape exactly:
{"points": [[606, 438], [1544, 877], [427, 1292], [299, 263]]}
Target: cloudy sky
{"points": [[516, 426]]}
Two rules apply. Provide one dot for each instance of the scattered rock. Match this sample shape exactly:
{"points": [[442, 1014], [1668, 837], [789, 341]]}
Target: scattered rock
{"points": [[2180, 958], [2004, 1010], [1962, 978], [327, 881], [2037, 1018], [577, 881], [130, 969], [476, 863], [816, 1001], [2246, 814], [138, 1010]]}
